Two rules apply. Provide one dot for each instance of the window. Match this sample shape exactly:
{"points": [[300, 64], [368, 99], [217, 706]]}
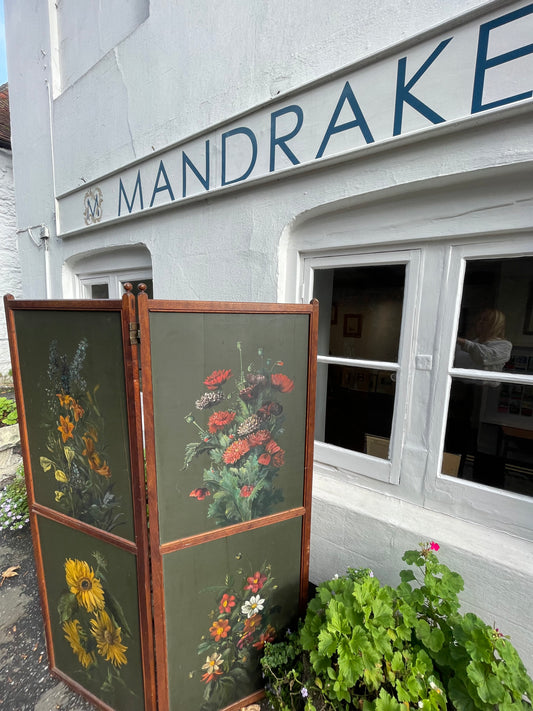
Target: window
{"points": [[102, 274], [367, 316], [111, 285], [489, 427]]}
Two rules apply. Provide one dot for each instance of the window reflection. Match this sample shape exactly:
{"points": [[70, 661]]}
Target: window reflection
{"points": [[490, 423]]}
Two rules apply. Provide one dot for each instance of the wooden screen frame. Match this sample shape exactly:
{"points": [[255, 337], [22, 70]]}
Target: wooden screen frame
{"points": [[145, 307], [139, 548]]}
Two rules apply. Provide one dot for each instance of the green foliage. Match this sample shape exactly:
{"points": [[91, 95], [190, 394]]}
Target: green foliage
{"points": [[367, 646], [8, 412], [14, 513]]}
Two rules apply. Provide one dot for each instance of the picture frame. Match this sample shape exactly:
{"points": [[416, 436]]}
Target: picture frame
{"points": [[353, 325]]}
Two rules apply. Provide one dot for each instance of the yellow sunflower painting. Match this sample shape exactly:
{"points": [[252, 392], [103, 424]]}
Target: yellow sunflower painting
{"points": [[83, 583], [73, 635], [108, 639]]}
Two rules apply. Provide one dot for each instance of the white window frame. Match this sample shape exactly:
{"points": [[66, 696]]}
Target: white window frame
{"points": [[113, 278], [471, 500], [344, 460]]}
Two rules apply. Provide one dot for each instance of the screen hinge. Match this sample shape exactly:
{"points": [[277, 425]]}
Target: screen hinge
{"points": [[135, 333]]}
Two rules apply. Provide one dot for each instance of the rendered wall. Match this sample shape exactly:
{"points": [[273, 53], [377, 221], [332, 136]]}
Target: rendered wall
{"points": [[9, 256]]}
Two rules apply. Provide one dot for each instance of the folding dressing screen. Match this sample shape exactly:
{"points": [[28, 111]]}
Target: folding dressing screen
{"points": [[166, 600]]}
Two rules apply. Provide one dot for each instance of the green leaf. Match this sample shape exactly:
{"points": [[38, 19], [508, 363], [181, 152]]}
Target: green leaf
{"points": [[460, 696], [406, 576], [327, 643], [413, 558], [397, 662], [385, 702], [433, 638], [348, 663], [66, 606]]}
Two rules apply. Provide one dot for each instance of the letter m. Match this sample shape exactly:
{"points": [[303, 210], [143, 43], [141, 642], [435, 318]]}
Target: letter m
{"points": [[122, 193]]}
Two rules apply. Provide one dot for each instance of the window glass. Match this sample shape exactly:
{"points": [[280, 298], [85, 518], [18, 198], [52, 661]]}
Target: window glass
{"points": [[366, 310], [490, 422], [359, 408], [355, 402], [99, 291]]}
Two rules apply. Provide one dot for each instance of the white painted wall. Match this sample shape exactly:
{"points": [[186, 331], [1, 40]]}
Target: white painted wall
{"points": [[183, 68], [10, 279]]}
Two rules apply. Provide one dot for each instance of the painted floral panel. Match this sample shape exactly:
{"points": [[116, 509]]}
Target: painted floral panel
{"points": [[223, 601], [92, 598], [72, 372], [230, 394]]}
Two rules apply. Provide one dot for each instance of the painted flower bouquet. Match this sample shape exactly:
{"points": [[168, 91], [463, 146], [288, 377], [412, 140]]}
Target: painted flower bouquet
{"points": [[76, 452], [93, 623], [240, 429], [241, 626]]}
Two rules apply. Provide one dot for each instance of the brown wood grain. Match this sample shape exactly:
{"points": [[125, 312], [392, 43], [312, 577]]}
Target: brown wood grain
{"points": [[138, 486], [158, 596], [227, 531], [308, 460]]}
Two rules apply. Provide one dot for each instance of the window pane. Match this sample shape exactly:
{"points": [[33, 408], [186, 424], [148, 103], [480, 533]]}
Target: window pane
{"points": [[487, 451], [490, 424], [99, 291], [366, 310], [357, 406]]}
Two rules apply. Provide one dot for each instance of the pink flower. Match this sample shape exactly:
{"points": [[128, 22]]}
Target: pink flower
{"points": [[246, 491], [434, 546], [256, 582]]}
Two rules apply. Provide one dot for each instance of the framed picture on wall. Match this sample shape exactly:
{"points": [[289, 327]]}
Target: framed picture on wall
{"points": [[353, 325]]}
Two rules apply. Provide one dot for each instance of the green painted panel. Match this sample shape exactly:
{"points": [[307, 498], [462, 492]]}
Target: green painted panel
{"points": [[230, 393], [223, 600], [92, 596], [72, 371]]}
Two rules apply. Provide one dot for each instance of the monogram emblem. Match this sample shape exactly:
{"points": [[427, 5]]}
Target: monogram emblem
{"points": [[92, 203]]}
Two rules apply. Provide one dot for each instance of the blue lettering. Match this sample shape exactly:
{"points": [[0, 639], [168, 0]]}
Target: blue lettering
{"points": [[165, 186], [281, 141], [253, 141], [122, 192], [94, 207], [346, 95], [186, 161], [482, 63], [403, 90]]}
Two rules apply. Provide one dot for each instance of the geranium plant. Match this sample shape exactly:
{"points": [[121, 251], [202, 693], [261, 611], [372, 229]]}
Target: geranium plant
{"points": [[367, 646], [240, 423]]}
